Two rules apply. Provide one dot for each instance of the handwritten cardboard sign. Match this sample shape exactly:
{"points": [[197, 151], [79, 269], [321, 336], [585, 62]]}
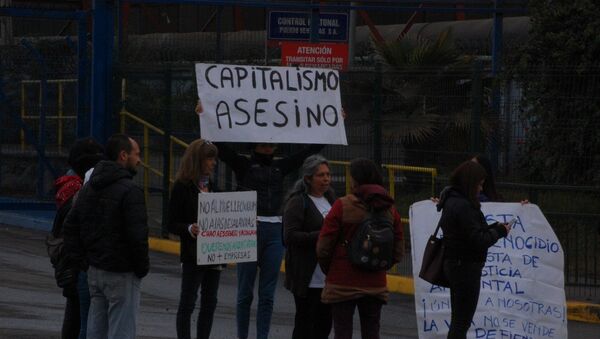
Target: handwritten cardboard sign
{"points": [[522, 284], [270, 104], [227, 223]]}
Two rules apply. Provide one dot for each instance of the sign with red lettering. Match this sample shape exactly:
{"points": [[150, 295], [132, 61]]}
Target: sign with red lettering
{"points": [[321, 55], [227, 228]]}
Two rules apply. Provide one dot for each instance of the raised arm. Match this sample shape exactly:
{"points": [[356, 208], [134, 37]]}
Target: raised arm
{"points": [[479, 232], [237, 162], [294, 161]]}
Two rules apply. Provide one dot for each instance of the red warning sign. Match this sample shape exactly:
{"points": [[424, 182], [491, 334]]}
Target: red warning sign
{"points": [[320, 55]]}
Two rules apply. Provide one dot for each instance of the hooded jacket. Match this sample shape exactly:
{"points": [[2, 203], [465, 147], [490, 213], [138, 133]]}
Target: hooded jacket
{"points": [[467, 236], [345, 281], [107, 227]]}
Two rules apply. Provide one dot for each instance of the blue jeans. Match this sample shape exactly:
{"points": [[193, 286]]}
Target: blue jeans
{"points": [[83, 292], [269, 251], [192, 277], [465, 280], [115, 300]]}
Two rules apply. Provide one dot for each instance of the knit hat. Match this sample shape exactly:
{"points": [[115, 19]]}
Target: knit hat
{"points": [[85, 154]]}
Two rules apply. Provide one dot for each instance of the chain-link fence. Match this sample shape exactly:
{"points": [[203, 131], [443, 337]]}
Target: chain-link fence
{"points": [[38, 95], [431, 116]]}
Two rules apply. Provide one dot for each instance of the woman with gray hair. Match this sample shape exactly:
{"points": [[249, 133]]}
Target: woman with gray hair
{"points": [[306, 206]]}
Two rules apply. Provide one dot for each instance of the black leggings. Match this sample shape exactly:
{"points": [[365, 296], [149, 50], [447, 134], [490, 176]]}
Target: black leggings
{"points": [[465, 280]]}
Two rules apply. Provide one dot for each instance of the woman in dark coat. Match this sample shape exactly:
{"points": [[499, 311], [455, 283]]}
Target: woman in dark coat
{"points": [[192, 178], [348, 287], [307, 205], [467, 237], [84, 154]]}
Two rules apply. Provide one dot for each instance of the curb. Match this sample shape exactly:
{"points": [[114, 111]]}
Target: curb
{"points": [[576, 311], [584, 312], [17, 218]]}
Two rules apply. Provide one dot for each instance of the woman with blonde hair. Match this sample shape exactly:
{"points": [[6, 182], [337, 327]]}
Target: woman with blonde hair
{"points": [[192, 178]]}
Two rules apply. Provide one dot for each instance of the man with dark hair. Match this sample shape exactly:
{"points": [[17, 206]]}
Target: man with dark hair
{"points": [[107, 234], [117, 143]]}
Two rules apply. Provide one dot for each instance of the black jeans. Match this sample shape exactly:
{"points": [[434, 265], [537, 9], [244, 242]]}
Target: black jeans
{"points": [[313, 318], [192, 277], [70, 326], [369, 311], [465, 282]]}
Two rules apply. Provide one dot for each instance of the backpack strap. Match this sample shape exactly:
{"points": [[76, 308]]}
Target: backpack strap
{"points": [[437, 228], [354, 211]]}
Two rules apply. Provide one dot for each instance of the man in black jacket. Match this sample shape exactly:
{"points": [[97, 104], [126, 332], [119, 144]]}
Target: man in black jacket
{"points": [[107, 233]]}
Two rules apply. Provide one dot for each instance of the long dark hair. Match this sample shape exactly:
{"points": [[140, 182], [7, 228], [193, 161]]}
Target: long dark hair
{"points": [[190, 168], [466, 178], [489, 186], [365, 171]]}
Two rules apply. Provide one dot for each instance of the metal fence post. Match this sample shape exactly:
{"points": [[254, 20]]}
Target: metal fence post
{"points": [[377, 114], [102, 68], [477, 106], [83, 126], [314, 24], [166, 154], [219, 23], [496, 69]]}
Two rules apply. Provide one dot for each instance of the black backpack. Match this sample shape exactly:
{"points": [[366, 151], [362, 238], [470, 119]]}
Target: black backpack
{"points": [[371, 248]]}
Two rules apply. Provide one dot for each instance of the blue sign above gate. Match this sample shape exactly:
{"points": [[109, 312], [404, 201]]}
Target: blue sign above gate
{"points": [[296, 26]]}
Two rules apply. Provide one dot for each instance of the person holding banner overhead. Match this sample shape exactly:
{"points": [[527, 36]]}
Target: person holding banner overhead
{"points": [[307, 204], [263, 174], [197, 164], [467, 237]]}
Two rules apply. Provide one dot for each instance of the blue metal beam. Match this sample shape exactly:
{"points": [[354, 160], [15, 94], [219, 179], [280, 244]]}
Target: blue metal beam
{"points": [[28, 205], [512, 7], [102, 47], [42, 13]]}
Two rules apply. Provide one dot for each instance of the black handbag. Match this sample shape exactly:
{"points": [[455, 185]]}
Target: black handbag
{"points": [[432, 267]]}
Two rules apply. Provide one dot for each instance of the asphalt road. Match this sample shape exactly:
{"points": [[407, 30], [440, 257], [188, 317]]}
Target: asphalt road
{"points": [[31, 306]]}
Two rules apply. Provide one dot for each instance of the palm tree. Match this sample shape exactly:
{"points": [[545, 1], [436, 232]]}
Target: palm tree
{"points": [[427, 98]]}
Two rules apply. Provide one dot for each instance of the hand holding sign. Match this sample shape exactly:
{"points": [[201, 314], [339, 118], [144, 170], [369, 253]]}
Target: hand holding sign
{"points": [[199, 109]]}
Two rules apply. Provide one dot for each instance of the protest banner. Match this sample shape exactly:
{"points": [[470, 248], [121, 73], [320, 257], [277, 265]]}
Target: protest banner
{"points": [[270, 104], [522, 285], [227, 223]]}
